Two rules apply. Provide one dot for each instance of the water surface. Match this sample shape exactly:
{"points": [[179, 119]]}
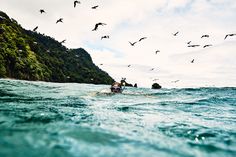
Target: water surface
{"points": [[80, 120]]}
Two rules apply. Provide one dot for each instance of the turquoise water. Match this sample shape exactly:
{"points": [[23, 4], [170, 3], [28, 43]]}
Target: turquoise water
{"points": [[39, 119]]}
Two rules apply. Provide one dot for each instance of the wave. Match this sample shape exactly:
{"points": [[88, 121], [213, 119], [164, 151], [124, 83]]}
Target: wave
{"points": [[90, 119]]}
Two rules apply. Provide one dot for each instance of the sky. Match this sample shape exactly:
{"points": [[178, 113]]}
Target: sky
{"points": [[129, 20]]}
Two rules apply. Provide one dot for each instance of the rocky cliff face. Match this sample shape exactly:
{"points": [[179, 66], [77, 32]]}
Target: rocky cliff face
{"points": [[32, 56]]}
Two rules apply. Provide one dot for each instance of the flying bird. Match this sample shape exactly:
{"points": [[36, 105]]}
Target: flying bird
{"points": [[189, 42], [175, 34], [205, 36], [129, 65], [175, 81], [75, 3], [132, 44], [155, 79], [207, 45], [193, 45], [105, 37], [94, 7], [35, 28], [157, 51], [60, 20], [152, 69], [229, 35], [63, 41], [101, 64], [42, 11], [142, 38], [192, 61], [98, 24]]}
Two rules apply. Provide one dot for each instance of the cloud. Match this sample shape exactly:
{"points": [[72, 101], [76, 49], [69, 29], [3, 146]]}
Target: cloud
{"points": [[129, 20]]}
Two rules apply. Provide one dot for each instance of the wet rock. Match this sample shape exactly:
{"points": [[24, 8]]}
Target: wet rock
{"points": [[156, 86]]}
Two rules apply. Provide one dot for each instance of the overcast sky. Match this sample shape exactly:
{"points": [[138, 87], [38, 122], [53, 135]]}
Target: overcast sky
{"points": [[129, 20]]}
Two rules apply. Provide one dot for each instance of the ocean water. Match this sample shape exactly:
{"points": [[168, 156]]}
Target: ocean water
{"points": [[39, 119]]}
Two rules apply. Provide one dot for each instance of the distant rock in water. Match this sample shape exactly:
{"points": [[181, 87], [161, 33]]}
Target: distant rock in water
{"points": [[156, 86], [135, 85], [28, 55], [123, 82]]}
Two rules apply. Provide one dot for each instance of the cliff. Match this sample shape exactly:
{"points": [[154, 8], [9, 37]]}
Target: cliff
{"points": [[30, 55]]}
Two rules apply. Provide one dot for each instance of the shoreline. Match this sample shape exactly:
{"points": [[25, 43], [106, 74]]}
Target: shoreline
{"points": [[140, 87]]}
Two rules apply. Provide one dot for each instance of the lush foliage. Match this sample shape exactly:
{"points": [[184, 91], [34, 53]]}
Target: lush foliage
{"points": [[32, 56]]}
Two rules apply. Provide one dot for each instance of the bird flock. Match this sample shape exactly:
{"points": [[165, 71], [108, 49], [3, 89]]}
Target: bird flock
{"points": [[133, 43], [60, 20]]}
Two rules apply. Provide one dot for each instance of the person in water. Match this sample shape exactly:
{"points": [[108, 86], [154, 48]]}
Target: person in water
{"points": [[116, 87]]}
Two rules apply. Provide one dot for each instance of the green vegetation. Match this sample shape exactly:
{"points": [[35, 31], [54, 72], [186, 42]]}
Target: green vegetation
{"points": [[32, 56]]}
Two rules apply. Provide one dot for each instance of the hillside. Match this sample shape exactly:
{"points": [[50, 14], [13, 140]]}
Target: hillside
{"points": [[29, 55]]}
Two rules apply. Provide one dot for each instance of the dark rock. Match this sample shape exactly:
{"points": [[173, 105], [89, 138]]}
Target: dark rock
{"points": [[156, 86], [126, 84]]}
